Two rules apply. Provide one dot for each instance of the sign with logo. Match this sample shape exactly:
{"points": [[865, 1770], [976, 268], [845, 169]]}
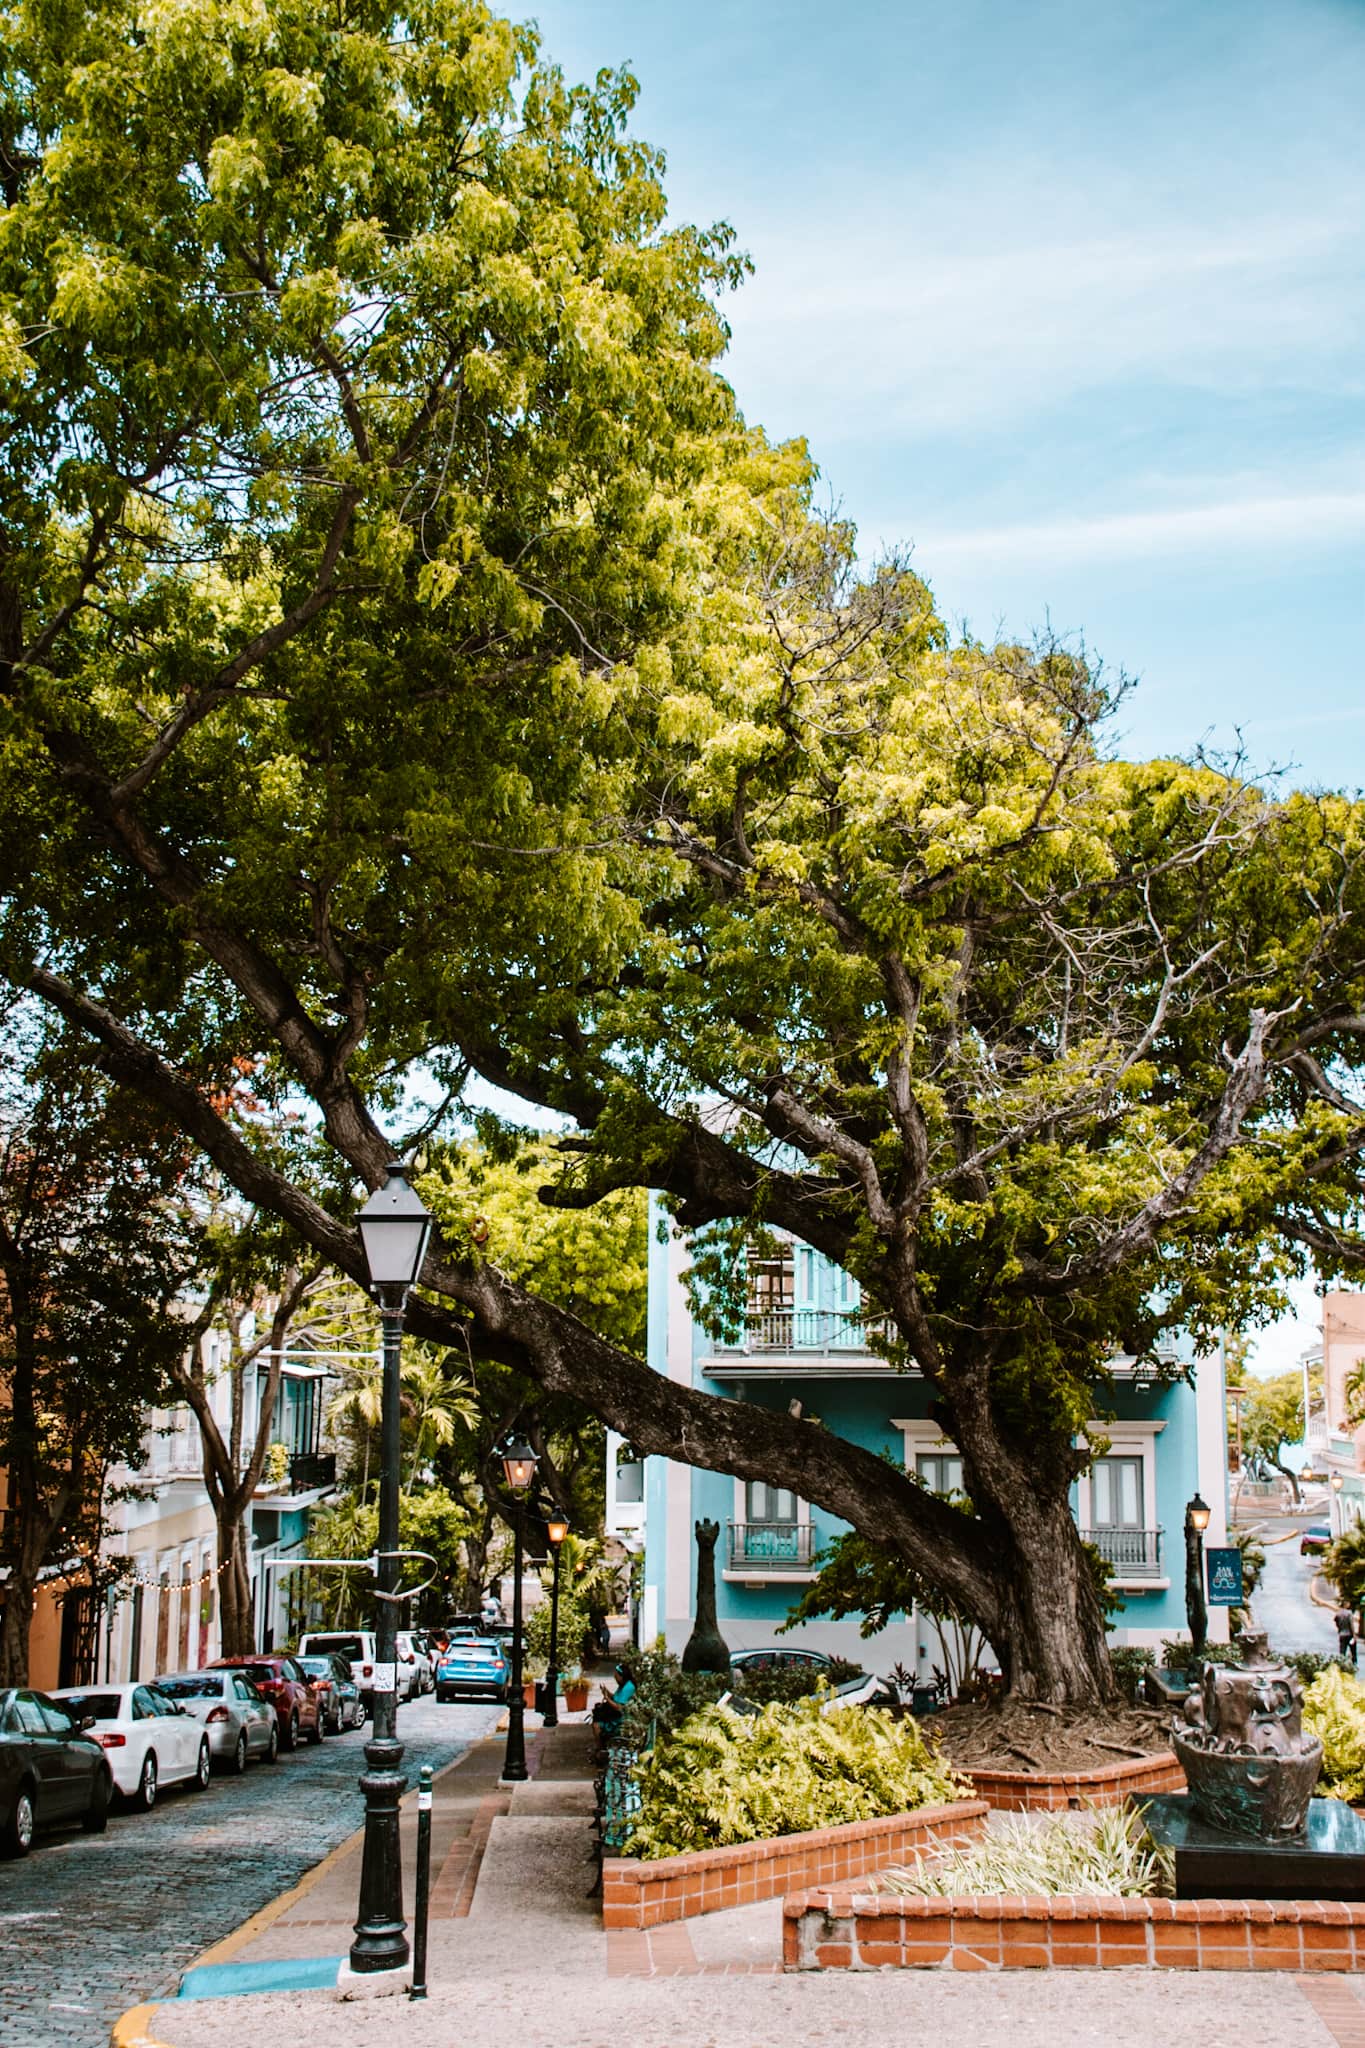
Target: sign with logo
{"points": [[1223, 1570]]}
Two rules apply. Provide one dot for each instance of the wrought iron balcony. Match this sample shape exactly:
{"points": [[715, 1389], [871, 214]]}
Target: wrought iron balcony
{"points": [[310, 1469], [1133, 1553], [782, 1332], [771, 1546]]}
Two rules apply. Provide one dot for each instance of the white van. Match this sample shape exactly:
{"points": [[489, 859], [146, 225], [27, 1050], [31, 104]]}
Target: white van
{"points": [[357, 1646]]}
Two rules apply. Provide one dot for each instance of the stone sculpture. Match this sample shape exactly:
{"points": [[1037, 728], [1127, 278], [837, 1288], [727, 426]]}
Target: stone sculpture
{"points": [[1250, 1767], [706, 1649]]}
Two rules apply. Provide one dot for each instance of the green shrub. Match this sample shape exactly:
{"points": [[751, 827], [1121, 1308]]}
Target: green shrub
{"points": [[1310, 1664], [573, 1630], [1116, 1857], [665, 1694], [1334, 1708], [729, 1777], [1128, 1664]]}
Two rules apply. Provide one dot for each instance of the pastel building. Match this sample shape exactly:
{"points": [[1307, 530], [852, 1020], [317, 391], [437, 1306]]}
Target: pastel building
{"points": [[804, 1340]]}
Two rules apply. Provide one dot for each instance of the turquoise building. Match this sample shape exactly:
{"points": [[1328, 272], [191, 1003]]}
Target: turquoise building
{"points": [[804, 1341]]}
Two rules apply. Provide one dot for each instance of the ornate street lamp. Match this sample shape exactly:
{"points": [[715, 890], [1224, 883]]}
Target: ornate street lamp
{"points": [[394, 1227], [1197, 1514], [519, 1469], [556, 1528]]}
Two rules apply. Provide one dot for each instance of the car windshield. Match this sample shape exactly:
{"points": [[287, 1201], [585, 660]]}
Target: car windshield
{"points": [[316, 1667], [95, 1706], [195, 1685], [260, 1674]]}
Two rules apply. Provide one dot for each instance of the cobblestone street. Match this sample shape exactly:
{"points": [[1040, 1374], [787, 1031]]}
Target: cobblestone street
{"points": [[90, 1925]]}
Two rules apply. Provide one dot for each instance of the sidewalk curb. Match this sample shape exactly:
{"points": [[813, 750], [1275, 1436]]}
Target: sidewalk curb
{"points": [[130, 2030]]}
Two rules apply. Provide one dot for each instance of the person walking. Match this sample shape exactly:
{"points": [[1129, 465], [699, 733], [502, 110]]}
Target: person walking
{"points": [[1345, 1623]]}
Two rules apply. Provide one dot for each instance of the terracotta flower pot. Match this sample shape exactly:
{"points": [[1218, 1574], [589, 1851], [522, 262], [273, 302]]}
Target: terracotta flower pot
{"points": [[528, 1691], [576, 1698]]}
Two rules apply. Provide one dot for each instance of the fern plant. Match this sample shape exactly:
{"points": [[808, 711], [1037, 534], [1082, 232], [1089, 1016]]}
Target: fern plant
{"points": [[729, 1777], [1334, 1709]]}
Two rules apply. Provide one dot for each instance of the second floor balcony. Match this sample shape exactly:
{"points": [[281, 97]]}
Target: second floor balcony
{"points": [[1133, 1553], [771, 1547], [798, 1339]]}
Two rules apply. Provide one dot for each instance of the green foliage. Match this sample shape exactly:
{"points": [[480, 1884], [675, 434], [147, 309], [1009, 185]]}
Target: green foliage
{"points": [[1253, 1558], [1310, 1664], [1272, 1417], [1129, 1662], [1334, 1709], [1177, 1654], [791, 1682], [1115, 1857], [1344, 1563], [729, 1777], [856, 1575], [665, 1695], [431, 1520], [573, 1631]]}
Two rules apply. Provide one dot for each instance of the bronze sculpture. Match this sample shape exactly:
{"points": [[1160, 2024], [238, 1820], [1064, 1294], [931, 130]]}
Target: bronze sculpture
{"points": [[1250, 1767], [706, 1649]]}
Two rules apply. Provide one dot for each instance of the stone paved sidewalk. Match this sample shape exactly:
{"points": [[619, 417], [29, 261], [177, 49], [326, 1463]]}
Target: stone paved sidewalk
{"points": [[517, 1951]]}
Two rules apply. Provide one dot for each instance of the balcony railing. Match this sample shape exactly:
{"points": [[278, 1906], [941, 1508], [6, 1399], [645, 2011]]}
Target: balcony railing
{"points": [[1133, 1553], [784, 1331], [310, 1469], [771, 1546]]}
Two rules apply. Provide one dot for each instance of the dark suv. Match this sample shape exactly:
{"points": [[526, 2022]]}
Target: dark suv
{"points": [[283, 1681]]}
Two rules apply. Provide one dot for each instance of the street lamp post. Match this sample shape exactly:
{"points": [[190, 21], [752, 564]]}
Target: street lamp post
{"points": [[1197, 1513], [394, 1227], [519, 1469], [556, 1528]]}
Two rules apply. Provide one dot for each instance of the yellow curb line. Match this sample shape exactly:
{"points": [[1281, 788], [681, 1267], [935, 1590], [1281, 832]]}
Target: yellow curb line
{"points": [[130, 2031]]}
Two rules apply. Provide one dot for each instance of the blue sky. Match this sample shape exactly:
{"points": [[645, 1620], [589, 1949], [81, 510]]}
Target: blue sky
{"points": [[1070, 296]]}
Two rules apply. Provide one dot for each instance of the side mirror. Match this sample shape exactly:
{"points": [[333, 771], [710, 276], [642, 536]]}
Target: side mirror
{"points": [[87, 1721]]}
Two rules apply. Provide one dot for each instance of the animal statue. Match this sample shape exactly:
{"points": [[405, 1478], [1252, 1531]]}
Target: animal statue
{"points": [[706, 1650]]}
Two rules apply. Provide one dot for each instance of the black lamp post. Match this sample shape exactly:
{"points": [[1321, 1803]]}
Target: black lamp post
{"points": [[394, 1228], [519, 1469], [556, 1528], [1197, 1513]]}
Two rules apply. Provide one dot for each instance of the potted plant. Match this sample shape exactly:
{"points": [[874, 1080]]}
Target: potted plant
{"points": [[533, 1672], [574, 1687]]}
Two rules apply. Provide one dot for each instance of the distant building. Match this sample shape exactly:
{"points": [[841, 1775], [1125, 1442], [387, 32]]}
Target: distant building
{"points": [[1341, 1353], [804, 1341]]}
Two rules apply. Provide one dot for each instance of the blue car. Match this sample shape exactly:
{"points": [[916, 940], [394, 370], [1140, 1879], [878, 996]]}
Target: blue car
{"points": [[473, 1664]]}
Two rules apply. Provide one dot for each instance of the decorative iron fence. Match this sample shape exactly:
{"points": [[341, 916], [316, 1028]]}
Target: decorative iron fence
{"points": [[775, 1546], [1134, 1553]]}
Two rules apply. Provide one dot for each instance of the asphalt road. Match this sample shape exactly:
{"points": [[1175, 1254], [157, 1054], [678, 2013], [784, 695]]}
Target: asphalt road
{"points": [[92, 1924], [1281, 1602]]}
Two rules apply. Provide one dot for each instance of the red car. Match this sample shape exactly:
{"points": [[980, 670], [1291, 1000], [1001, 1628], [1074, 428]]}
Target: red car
{"points": [[299, 1709]]}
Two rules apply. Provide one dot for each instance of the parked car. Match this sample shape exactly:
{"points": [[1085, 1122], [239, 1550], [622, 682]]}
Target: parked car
{"points": [[342, 1704], [778, 1660], [279, 1678], [1314, 1540], [414, 1672], [148, 1738], [240, 1720], [51, 1770], [473, 1664], [356, 1645]]}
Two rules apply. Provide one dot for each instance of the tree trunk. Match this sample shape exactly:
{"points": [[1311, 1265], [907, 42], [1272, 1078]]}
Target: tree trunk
{"points": [[18, 1620], [1051, 1636], [236, 1619], [1292, 1477]]}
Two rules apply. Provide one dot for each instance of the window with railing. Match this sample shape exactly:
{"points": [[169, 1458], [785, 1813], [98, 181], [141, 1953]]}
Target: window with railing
{"points": [[1116, 1514]]}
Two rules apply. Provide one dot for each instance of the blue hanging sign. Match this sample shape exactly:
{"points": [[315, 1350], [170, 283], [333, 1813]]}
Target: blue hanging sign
{"points": [[1223, 1571]]}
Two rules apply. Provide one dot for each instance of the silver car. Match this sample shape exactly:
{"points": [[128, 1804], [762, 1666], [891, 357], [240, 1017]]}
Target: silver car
{"points": [[240, 1721]]}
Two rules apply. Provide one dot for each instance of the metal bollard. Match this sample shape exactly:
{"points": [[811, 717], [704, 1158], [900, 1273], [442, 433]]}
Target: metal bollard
{"points": [[419, 1920]]}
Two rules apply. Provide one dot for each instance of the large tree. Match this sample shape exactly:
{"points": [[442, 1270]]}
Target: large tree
{"points": [[412, 664], [95, 1245]]}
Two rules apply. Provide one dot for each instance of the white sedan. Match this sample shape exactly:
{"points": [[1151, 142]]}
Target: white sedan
{"points": [[148, 1739]]}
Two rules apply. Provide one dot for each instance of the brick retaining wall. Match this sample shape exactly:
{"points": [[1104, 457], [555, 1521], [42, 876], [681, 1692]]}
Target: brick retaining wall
{"points": [[636, 1893], [1048, 1791], [835, 1930]]}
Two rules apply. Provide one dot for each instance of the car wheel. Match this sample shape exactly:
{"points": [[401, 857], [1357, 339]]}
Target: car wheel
{"points": [[96, 1817], [442, 1696], [272, 1748], [203, 1769], [145, 1795], [291, 1740], [16, 1838], [317, 1731], [239, 1755]]}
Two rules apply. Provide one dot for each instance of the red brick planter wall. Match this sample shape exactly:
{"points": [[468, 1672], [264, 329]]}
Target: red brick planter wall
{"points": [[1110, 1785], [640, 1894], [831, 1930]]}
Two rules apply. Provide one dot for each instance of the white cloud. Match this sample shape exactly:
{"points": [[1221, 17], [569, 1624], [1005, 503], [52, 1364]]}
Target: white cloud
{"points": [[1278, 521]]}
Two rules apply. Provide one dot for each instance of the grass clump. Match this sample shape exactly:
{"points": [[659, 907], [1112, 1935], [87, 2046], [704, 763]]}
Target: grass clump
{"points": [[729, 1777], [1116, 1858]]}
